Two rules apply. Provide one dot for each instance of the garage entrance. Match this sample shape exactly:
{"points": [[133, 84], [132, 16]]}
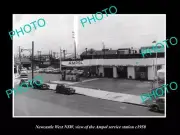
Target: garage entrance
{"points": [[141, 73], [122, 71], [108, 72]]}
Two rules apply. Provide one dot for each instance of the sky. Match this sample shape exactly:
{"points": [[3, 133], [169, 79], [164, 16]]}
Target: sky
{"points": [[122, 31], [116, 31], [57, 32]]}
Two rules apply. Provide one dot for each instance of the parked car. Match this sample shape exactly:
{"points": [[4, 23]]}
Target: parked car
{"points": [[41, 70], [64, 89], [159, 92], [25, 83], [23, 70], [42, 86], [48, 70], [23, 77], [156, 104], [24, 80]]}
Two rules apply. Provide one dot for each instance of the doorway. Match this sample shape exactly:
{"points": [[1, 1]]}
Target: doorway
{"points": [[141, 73], [122, 71], [108, 72]]}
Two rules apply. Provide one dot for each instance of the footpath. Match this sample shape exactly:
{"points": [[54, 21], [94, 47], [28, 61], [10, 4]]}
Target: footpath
{"points": [[101, 94]]}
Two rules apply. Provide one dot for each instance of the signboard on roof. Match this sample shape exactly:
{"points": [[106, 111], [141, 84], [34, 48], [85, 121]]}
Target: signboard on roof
{"points": [[75, 62], [72, 63]]}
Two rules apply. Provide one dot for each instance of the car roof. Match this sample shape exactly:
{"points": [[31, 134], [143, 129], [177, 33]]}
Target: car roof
{"points": [[161, 98]]}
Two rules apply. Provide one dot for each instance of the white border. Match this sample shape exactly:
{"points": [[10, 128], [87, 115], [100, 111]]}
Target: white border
{"points": [[86, 116]]}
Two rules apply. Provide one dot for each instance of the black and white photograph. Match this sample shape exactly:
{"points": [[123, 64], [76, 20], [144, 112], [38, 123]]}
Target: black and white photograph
{"points": [[66, 67]]}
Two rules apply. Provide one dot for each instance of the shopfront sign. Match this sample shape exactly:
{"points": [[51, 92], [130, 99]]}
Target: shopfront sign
{"points": [[75, 62]]}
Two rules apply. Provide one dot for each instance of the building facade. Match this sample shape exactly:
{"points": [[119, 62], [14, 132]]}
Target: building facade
{"points": [[121, 68], [122, 63]]}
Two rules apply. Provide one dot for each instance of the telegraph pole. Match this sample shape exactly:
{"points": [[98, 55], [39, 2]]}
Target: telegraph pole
{"points": [[86, 51], [20, 56], [60, 59], [155, 71], [103, 48], [40, 56], [64, 51], [32, 60], [54, 54], [74, 45]]}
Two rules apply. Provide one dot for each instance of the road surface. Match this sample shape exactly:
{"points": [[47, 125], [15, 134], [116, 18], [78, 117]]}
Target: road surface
{"points": [[48, 103]]}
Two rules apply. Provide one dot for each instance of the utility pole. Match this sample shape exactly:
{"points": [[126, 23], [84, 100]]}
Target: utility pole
{"points": [[32, 60], [64, 54], [155, 71], [60, 59], [154, 75], [74, 45], [54, 53], [49, 55], [103, 48], [57, 54], [20, 56], [86, 51], [40, 56]]}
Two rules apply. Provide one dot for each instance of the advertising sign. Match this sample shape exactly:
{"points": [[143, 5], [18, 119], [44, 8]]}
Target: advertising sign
{"points": [[75, 62], [72, 63]]}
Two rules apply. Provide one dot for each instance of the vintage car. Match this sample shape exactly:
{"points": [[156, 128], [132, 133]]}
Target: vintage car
{"points": [[156, 104], [24, 83], [64, 89], [39, 85], [24, 80]]}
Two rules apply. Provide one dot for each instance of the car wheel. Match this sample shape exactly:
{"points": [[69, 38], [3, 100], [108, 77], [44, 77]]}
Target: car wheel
{"points": [[155, 108]]}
